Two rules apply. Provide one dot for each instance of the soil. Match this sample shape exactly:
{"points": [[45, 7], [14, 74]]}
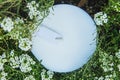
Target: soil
{"points": [[90, 6]]}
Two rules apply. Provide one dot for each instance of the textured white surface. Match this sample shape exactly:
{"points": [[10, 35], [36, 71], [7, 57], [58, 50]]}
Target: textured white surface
{"points": [[76, 45]]}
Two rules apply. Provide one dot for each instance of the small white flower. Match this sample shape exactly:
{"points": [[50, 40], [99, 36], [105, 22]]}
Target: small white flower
{"points": [[7, 24], [12, 53], [25, 63], [15, 35], [25, 44], [49, 74], [111, 69], [3, 55], [1, 66], [2, 61], [14, 62], [43, 74], [19, 20], [33, 11], [108, 77], [118, 67], [111, 64], [39, 17], [118, 54], [29, 78], [96, 78], [101, 78], [33, 2], [3, 78], [25, 68], [3, 75], [100, 18], [37, 5], [31, 15], [105, 69]]}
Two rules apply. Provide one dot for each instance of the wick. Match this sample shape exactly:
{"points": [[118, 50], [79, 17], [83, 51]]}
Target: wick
{"points": [[58, 38]]}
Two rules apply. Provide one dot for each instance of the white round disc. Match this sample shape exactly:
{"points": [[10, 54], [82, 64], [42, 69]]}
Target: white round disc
{"points": [[65, 40]]}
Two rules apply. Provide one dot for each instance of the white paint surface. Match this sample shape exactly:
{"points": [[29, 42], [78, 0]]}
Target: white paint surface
{"points": [[75, 32]]}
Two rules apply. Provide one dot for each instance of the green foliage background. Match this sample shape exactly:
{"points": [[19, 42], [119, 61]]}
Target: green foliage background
{"points": [[108, 41]]}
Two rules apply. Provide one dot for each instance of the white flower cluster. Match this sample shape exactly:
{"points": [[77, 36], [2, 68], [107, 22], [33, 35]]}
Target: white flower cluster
{"points": [[3, 75], [110, 77], [25, 44], [118, 56], [2, 61], [7, 24], [116, 6], [15, 35], [118, 66], [25, 63], [107, 62], [49, 74], [107, 65], [100, 78], [14, 60], [100, 18], [107, 77], [29, 78], [33, 12]]}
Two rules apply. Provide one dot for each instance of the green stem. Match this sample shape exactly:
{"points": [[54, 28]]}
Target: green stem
{"points": [[7, 1], [6, 44], [8, 12], [19, 3], [2, 49], [17, 71]]}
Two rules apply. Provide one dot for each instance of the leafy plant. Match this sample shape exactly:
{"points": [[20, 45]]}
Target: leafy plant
{"points": [[21, 21], [16, 29]]}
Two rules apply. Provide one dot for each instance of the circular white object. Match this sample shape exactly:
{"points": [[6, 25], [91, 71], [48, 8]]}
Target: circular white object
{"points": [[66, 39]]}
